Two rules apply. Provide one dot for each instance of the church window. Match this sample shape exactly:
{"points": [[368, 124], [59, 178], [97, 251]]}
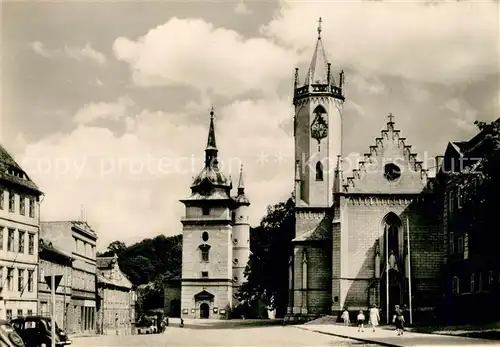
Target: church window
{"points": [[204, 274], [205, 250], [204, 236], [205, 210], [11, 201], [451, 201], [466, 246], [319, 171], [452, 243], [392, 172], [480, 282], [455, 285], [235, 261], [472, 282], [235, 241], [235, 278], [460, 245], [490, 277], [459, 197]]}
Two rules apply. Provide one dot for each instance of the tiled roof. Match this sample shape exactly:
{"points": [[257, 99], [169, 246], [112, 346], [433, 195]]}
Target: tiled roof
{"points": [[7, 163], [105, 262]]}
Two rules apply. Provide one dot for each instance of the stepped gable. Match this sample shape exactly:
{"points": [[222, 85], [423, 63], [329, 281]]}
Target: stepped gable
{"points": [[389, 167]]}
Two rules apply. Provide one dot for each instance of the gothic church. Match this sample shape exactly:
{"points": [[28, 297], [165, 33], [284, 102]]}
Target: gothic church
{"points": [[372, 237]]}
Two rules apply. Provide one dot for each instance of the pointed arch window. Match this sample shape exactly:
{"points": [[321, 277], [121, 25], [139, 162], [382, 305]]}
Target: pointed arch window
{"points": [[455, 285], [319, 171]]}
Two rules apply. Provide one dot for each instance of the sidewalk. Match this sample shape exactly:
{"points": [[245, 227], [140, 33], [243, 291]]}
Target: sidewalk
{"points": [[387, 337]]}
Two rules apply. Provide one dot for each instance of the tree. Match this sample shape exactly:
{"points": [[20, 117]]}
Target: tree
{"points": [[267, 270]]}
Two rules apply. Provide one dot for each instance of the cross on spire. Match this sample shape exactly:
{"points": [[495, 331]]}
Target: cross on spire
{"points": [[391, 118], [319, 28], [212, 112]]}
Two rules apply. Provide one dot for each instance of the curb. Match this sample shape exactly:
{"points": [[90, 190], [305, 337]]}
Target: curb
{"points": [[351, 337]]}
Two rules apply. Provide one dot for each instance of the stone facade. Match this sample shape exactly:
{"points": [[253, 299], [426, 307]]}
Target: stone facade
{"points": [[54, 261], [215, 243], [78, 238], [115, 298], [19, 233], [353, 220]]}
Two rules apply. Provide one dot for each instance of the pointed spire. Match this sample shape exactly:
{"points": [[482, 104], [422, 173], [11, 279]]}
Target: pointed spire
{"points": [[241, 184], [318, 69], [211, 150]]}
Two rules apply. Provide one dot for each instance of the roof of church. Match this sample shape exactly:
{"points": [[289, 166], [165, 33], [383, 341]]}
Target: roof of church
{"points": [[320, 233], [106, 262], [211, 183], [389, 137], [11, 172], [318, 69]]}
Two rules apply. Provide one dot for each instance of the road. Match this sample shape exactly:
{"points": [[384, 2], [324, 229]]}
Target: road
{"points": [[220, 335]]}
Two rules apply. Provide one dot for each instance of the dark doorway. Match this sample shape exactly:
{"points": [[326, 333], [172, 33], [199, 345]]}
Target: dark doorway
{"points": [[175, 308], [204, 311]]}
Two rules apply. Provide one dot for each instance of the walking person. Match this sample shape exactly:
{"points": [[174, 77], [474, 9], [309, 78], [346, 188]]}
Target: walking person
{"points": [[399, 320], [361, 321], [345, 317], [374, 316]]}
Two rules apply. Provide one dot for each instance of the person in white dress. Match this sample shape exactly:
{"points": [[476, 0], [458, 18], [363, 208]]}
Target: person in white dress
{"points": [[374, 316]]}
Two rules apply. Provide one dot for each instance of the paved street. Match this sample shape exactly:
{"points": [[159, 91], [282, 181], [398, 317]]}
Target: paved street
{"points": [[221, 335]]}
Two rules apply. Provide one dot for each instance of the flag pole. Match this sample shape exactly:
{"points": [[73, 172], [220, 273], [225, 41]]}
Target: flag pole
{"points": [[409, 266], [386, 272]]}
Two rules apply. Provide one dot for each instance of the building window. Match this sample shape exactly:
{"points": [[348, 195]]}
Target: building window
{"points": [[451, 201], [10, 240], [319, 171], [204, 236], [460, 245], [452, 243], [30, 312], [1, 276], [235, 261], [20, 280], [459, 197], [1, 199], [9, 314], [235, 278], [19, 312], [11, 201], [204, 274], [490, 277], [472, 282], [31, 244], [480, 282], [32, 207], [466, 246], [10, 279], [205, 210], [21, 241], [204, 255], [1, 238], [22, 205]]}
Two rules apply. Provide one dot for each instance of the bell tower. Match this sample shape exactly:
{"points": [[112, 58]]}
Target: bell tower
{"points": [[317, 130]]}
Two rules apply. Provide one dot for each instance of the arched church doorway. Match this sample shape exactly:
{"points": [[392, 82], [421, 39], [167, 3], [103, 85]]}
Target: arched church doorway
{"points": [[392, 277], [204, 310]]}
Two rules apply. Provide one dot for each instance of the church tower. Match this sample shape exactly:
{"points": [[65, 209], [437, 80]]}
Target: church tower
{"points": [[318, 146], [241, 236], [207, 248], [317, 130]]}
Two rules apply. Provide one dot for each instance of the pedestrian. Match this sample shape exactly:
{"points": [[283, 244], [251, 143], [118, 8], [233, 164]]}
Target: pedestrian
{"points": [[361, 321], [182, 323], [345, 317], [399, 320], [374, 316]]}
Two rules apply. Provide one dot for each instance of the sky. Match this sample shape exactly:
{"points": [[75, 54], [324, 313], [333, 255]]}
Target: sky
{"points": [[106, 104]]}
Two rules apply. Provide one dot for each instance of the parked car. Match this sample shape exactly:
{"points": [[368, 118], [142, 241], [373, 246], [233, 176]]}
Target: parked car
{"points": [[35, 331], [8, 336], [146, 326]]}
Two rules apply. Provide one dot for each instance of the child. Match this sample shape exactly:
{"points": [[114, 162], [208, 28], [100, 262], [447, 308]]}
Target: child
{"points": [[345, 317], [361, 321]]}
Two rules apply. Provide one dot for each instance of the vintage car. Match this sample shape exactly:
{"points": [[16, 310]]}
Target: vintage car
{"points": [[35, 331], [8, 336]]}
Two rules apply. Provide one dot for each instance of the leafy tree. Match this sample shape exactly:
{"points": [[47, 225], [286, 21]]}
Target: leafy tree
{"points": [[267, 271]]}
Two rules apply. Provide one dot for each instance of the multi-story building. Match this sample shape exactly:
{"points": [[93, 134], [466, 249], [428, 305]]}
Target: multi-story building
{"points": [[215, 240], [54, 261], [472, 287], [78, 238], [115, 298], [19, 230]]}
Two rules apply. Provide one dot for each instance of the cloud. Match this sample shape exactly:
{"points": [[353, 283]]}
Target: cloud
{"points": [[447, 42], [465, 114], [39, 48], [126, 179], [86, 52], [72, 52], [103, 110], [193, 53], [242, 9]]}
